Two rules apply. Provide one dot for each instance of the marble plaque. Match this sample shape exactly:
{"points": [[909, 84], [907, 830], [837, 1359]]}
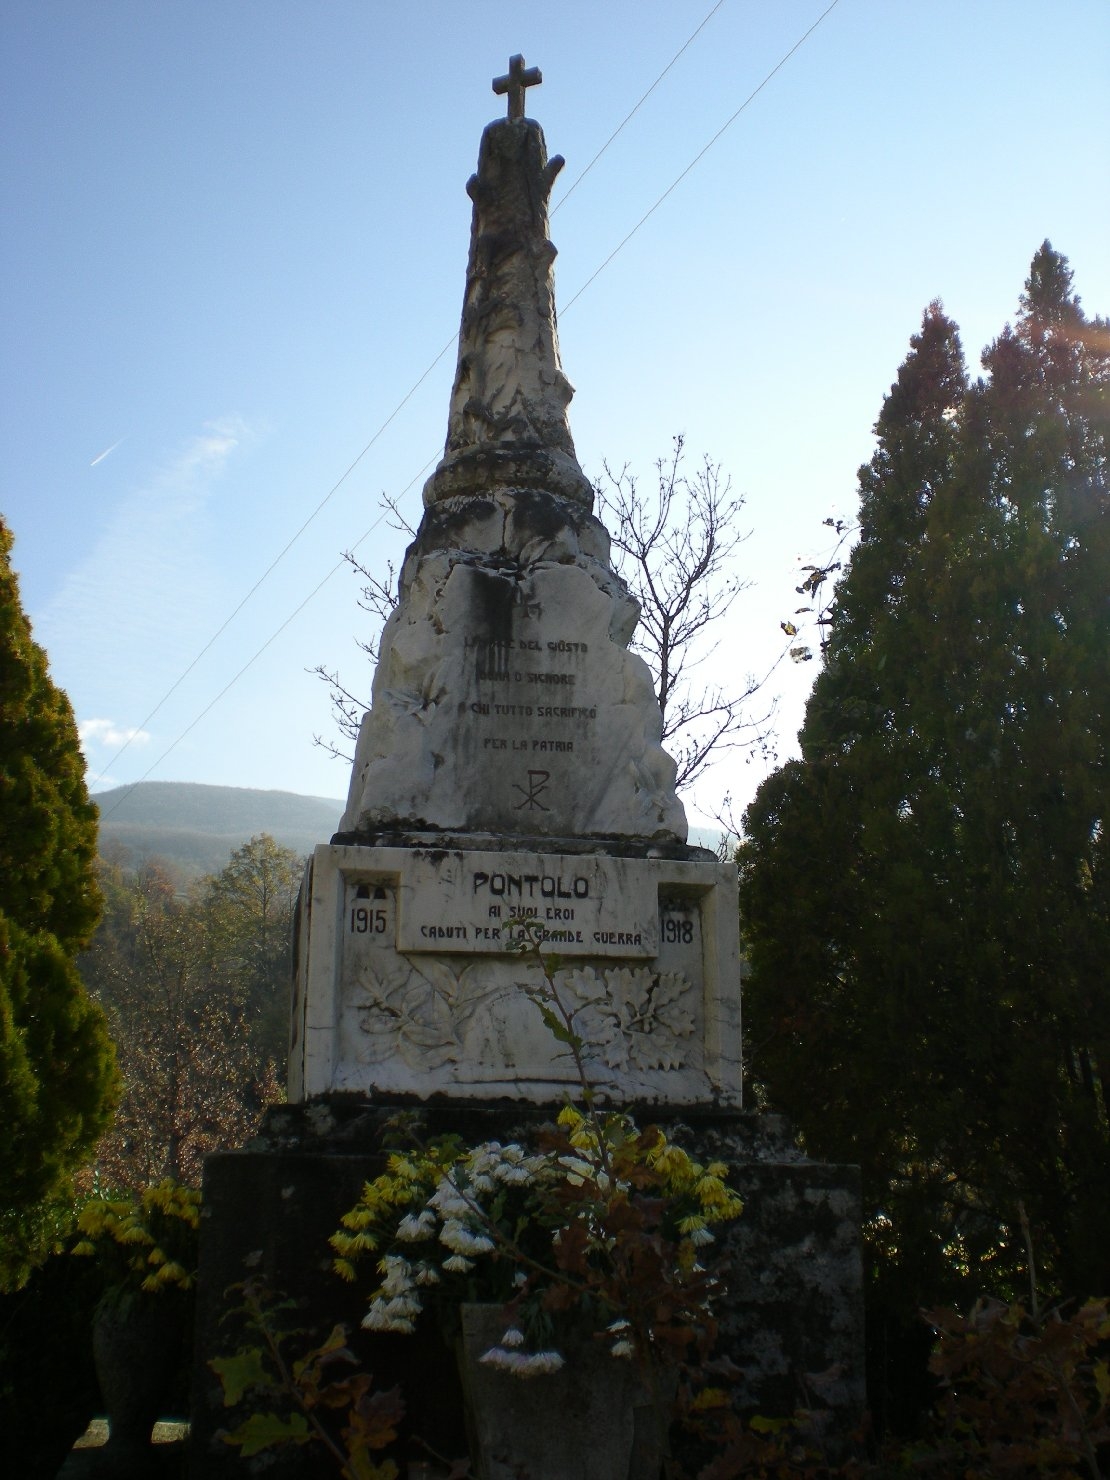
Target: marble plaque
{"points": [[408, 983]]}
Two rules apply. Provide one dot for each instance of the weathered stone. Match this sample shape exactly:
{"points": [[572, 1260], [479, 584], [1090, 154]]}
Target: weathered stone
{"points": [[508, 424], [791, 1314], [407, 984], [511, 766], [510, 718], [503, 704]]}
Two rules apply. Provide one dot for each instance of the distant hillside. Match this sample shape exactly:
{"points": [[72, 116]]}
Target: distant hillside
{"points": [[199, 827]]}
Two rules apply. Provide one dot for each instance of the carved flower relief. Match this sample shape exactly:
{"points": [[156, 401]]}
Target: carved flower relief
{"points": [[630, 1018], [421, 1012], [634, 1017]]}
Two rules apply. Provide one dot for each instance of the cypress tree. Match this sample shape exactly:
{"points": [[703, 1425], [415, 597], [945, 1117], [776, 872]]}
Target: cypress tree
{"points": [[925, 893], [57, 1074]]}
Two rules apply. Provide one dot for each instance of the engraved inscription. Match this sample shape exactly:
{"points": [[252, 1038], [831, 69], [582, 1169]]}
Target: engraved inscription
{"points": [[476, 903]]}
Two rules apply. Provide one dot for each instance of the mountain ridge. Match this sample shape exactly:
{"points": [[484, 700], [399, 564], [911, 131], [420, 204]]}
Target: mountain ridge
{"points": [[198, 827]]}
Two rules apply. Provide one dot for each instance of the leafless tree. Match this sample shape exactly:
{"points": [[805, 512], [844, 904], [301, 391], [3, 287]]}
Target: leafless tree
{"points": [[675, 547], [378, 597]]}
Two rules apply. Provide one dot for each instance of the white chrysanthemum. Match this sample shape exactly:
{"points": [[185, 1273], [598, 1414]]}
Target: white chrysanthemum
{"points": [[426, 1274], [391, 1315], [483, 1159], [448, 1201], [621, 1349], [619, 1325], [513, 1175], [576, 1169], [522, 1364], [400, 1307], [463, 1240], [459, 1264], [497, 1356], [416, 1226], [398, 1275], [513, 1337], [700, 1237]]}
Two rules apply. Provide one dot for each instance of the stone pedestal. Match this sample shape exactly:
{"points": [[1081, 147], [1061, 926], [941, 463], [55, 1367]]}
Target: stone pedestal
{"points": [[407, 983]]}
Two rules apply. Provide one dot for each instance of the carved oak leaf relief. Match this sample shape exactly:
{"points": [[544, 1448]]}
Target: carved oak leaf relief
{"points": [[422, 1012], [633, 1017]]}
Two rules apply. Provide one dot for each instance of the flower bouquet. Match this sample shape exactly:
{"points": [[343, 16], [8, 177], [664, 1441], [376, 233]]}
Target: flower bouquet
{"points": [[145, 1243], [594, 1226]]}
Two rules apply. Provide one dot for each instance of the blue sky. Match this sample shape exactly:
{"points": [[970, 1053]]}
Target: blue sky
{"points": [[235, 236]]}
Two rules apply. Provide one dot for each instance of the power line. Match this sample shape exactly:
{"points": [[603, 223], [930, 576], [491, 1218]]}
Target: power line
{"points": [[390, 418], [251, 661], [701, 154], [629, 116], [412, 391], [280, 556]]}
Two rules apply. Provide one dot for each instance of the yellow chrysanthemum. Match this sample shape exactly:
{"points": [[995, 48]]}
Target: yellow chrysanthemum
{"points": [[132, 1233]]}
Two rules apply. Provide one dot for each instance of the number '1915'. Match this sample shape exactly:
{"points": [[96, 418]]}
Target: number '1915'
{"points": [[368, 922]]}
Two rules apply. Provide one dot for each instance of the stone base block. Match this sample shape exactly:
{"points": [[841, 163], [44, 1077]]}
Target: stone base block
{"points": [[791, 1321]]}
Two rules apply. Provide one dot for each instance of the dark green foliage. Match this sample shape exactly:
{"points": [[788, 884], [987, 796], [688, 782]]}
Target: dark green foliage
{"points": [[47, 823], [926, 893], [56, 1064], [57, 1076]]}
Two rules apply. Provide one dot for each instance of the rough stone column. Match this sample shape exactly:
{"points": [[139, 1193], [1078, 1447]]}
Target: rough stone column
{"points": [[507, 426]]}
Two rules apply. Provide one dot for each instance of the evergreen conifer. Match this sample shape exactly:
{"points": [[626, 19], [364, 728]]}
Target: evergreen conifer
{"points": [[57, 1072], [926, 893]]}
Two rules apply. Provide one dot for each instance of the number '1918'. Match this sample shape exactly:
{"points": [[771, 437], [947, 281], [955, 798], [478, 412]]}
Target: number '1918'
{"points": [[677, 931], [364, 921]]}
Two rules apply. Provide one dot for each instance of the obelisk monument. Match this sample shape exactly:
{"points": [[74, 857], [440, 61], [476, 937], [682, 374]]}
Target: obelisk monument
{"points": [[510, 764], [510, 768]]}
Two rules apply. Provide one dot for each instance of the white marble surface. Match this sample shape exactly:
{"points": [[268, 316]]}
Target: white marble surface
{"points": [[505, 699], [406, 984]]}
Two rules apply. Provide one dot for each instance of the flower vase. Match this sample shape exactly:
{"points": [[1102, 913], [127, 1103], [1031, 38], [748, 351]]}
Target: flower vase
{"points": [[137, 1352], [594, 1418]]}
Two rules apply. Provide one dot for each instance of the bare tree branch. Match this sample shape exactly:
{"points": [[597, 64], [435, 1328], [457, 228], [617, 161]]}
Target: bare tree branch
{"points": [[818, 611], [675, 549], [378, 597]]}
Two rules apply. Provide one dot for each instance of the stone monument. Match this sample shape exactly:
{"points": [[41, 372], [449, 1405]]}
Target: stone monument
{"points": [[509, 779], [510, 766]]}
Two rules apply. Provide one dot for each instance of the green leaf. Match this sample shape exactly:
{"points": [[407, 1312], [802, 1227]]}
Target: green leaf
{"points": [[558, 1029], [240, 1374], [267, 1430]]}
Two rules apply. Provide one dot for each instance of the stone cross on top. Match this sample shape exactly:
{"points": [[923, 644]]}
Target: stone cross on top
{"points": [[514, 82]]}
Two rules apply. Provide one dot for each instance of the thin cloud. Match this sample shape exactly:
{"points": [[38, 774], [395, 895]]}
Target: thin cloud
{"points": [[107, 733], [136, 601], [107, 452]]}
